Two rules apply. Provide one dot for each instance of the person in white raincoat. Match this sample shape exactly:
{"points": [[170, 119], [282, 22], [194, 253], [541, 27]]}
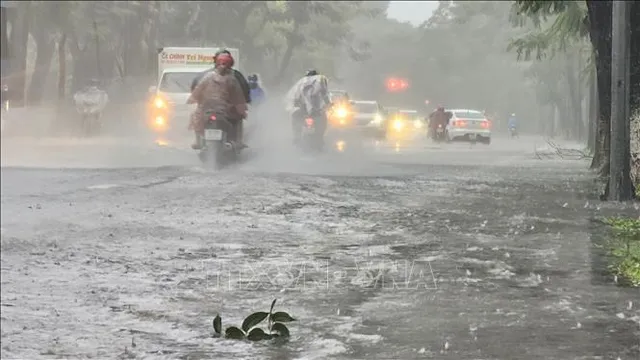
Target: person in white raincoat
{"points": [[91, 100], [309, 97]]}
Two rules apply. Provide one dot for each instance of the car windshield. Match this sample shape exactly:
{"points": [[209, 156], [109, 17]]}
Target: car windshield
{"points": [[177, 82], [469, 115], [365, 108]]}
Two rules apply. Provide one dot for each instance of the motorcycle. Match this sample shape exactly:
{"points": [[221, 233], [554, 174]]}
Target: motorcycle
{"points": [[438, 134], [219, 147], [89, 106], [311, 139], [91, 124], [513, 133]]}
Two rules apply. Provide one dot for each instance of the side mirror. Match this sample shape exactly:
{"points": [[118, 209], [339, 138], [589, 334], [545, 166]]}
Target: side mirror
{"points": [[152, 89]]}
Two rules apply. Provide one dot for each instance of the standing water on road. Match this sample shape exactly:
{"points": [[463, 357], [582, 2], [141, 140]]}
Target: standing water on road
{"points": [[426, 255]]}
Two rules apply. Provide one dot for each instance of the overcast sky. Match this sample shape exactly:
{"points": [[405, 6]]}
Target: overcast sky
{"points": [[414, 12]]}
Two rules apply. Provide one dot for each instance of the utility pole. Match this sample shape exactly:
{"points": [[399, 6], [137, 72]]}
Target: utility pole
{"points": [[620, 188]]}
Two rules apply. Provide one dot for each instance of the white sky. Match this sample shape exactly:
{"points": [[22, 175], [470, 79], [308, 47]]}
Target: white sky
{"points": [[415, 12]]}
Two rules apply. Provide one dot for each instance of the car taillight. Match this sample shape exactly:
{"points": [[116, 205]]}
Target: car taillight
{"points": [[486, 124], [309, 121], [459, 123], [212, 118]]}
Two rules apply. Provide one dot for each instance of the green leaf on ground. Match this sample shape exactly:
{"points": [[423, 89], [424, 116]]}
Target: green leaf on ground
{"points": [[258, 334], [217, 324], [281, 329], [253, 320], [281, 316], [233, 332]]}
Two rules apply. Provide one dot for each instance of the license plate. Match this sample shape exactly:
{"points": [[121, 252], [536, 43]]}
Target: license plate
{"points": [[440, 131], [472, 136], [212, 134]]}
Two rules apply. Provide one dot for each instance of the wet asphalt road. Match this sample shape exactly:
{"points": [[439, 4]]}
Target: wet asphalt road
{"points": [[380, 251]]}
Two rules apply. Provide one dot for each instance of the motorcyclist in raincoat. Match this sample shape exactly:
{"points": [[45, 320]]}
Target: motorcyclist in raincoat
{"points": [[220, 92], [438, 117], [91, 100], [309, 97], [512, 124], [244, 85], [256, 91]]}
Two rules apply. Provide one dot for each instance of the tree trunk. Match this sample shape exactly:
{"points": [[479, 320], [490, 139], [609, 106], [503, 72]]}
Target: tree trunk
{"points": [[620, 186], [45, 48], [62, 67], [575, 96], [600, 35], [292, 42], [18, 44], [593, 111], [634, 92]]}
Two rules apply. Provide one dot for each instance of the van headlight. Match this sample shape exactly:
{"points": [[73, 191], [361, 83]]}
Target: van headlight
{"points": [[341, 112], [159, 103]]}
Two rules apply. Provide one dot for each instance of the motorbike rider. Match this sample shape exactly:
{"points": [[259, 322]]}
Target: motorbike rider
{"points": [[244, 84], [256, 91], [309, 97], [438, 117], [512, 122], [91, 95], [220, 92]]}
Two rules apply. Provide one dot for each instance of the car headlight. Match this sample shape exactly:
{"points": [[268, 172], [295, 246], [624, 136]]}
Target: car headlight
{"points": [[341, 112], [377, 119], [398, 125]]}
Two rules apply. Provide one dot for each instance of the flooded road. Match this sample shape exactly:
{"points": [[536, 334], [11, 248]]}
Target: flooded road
{"points": [[379, 250]]}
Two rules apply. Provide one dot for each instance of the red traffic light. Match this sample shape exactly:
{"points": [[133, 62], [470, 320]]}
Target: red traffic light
{"points": [[396, 84]]}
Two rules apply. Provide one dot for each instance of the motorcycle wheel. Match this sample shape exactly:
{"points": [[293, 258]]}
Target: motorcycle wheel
{"points": [[212, 155]]}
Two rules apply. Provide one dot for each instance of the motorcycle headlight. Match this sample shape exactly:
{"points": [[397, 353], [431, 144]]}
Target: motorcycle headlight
{"points": [[398, 125], [341, 112]]}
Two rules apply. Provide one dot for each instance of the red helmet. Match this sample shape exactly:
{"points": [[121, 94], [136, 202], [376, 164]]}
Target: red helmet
{"points": [[225, 59]]}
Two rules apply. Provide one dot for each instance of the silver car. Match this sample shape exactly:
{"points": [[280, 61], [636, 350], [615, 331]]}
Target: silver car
{"points": [[369, 117], [468, 125]]}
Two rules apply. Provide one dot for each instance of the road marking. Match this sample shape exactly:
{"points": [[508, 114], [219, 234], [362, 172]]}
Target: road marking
{"points": [[102, 186]]}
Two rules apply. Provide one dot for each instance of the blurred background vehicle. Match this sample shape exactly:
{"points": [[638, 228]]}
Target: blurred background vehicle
{"points": [[468, 125]]}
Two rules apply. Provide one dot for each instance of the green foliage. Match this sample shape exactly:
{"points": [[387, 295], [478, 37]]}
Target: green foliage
{"points": [[625, 250], [127, 33], [276, 328], [557, 25]]}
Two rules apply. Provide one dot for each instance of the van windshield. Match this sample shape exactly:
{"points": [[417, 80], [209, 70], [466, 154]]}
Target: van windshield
{"points": [[177, 82]]}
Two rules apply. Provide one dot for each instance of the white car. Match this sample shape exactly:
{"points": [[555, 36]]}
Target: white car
{"points": [[369, 117], [468, 125]]}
